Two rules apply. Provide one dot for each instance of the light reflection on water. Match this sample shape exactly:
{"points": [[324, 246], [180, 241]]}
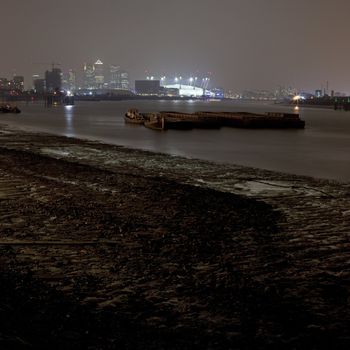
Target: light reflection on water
{"points": [[321, 150], [69, 114]]}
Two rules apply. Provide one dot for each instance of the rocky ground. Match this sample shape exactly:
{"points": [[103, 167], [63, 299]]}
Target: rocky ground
{"points": [[104, 247]]}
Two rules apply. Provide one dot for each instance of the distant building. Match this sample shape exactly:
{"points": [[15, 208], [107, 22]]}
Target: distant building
{"points": [[5, 84], [89, 76], [219, 93], [114, 72], [34, 77], [305, 95], [190, 90], [119, 79], [99, 74], [39, 86], [282, 92], [170, 92], [53, 80], [340, 94], [124, 83], [263, 95], [65, 83], [318, 93], [72, 79], [69, 81], [18, 83], [232, 95], [147, 87]]}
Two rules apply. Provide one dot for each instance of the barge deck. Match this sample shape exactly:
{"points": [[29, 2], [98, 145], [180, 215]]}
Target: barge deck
{"points": [[214, 120]]}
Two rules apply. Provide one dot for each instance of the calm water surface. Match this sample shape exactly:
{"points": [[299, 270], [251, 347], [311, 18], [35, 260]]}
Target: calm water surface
{"points": [[321, 150]]}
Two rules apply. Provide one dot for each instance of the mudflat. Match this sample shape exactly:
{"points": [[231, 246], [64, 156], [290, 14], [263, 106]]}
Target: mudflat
{"points": [[104, 247]]}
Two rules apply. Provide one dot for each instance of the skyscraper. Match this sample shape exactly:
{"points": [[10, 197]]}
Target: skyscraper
{"points": [[119, 79], [72, 79], [99, 74], [53, 80], [69, 80], [89, 76], [124, 80], [114, 76], [39, 85]]}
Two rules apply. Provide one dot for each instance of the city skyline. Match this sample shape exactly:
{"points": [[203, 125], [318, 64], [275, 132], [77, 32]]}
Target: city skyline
{"points": [[98, 75], [245, 44]]}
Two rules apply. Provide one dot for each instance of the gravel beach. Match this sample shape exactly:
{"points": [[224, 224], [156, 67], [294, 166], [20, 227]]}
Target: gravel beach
{"points": [[104, 247]]}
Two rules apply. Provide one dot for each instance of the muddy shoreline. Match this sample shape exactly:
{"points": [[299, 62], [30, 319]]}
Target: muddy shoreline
{"points": [[104, 247]]}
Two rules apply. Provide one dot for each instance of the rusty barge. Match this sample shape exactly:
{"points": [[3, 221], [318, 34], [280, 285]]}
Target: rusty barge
{"points": [[213, 120], [269, 120]]}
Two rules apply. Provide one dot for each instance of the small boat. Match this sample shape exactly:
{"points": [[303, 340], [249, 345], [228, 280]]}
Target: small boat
{"points": [[134, 117], [6, 108]]}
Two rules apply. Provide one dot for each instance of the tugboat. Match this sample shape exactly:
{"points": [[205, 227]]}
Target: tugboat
{"points": [[6, 108]]}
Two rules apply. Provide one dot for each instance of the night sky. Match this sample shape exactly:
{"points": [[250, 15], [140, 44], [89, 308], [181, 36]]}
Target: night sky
{"points": [[244, 43]]}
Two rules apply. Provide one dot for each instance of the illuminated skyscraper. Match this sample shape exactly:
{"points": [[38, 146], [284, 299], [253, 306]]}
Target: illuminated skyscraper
{"points": [[99, 74], [119, 79], [124, 80], [89, 76], [72, 79], [69, 80], [114, 76]]}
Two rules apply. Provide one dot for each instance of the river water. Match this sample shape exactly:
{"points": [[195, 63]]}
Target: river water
{"points": [[322, 150]]}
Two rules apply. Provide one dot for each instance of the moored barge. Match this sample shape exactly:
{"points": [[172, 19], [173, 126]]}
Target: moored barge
{"points": [[270, 120], [178, 120], [212, 120]]}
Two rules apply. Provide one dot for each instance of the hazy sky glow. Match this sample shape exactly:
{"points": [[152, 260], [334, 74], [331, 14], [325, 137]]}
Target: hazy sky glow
{"points": [[244, 43]]}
